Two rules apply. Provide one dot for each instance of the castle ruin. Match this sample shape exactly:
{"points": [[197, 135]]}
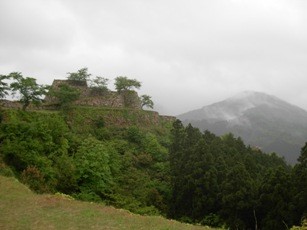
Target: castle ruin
{"points": [[93, 97]]}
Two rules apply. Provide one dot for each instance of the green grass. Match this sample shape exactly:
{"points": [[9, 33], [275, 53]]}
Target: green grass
{"points": [[20, 208]]}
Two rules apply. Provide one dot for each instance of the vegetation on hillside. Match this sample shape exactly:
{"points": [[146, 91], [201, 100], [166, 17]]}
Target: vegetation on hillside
{"points": [[136, 160], [76, 153], [123, 158], [217, 180], [22, 209]]}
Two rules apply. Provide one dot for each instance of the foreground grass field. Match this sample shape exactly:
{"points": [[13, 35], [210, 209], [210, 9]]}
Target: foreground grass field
{"points": [[20, 208]]}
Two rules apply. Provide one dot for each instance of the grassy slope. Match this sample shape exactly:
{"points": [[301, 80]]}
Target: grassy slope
{"points": [[22, 209]]}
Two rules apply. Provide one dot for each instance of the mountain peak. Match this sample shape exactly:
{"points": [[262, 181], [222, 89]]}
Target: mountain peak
{"points": [[249, 93], [253, 96], [259, 118], [236, 105]]}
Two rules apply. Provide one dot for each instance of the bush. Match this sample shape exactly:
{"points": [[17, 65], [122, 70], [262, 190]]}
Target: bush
{"points": [[66, 174], [303, 227], [94, 166], [87, 195], [212, 220], [5, 170], [32, 177]]}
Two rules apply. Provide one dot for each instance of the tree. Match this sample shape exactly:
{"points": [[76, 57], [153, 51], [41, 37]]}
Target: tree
{"points": [[28, 89], [34, 139], [146, 101], [94, 170], [124, 84], [3, 86], [238, 195], [100, 82], [275, 199], [299, 179], [99, 85], [65, 95], [80, 75]]}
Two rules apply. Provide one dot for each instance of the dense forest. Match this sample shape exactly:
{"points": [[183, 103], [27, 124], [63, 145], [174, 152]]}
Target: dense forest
{"points": [[122, 158], [218, 180], [183, 174]]}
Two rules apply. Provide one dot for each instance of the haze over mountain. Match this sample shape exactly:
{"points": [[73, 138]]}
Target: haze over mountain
{"points": [[259, 119]]}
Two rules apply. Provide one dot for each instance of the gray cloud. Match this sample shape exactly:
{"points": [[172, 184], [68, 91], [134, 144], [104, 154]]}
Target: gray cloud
{"points": [[187, 54]]}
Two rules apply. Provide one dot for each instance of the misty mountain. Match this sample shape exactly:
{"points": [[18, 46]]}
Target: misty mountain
{"points": [[259, 119]]}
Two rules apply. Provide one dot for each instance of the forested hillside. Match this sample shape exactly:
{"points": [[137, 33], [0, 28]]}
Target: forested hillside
{"points": [[138, 161], [218, 180], [259, 119], [115, 156]]}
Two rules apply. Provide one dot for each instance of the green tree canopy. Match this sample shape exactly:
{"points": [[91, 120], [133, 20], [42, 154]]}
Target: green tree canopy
{"points": [[65, 95], [80, 75], [146, 101], [3, 86], [99, 84], [299, 178], [94, 167], [124, 84], [28, 89]]}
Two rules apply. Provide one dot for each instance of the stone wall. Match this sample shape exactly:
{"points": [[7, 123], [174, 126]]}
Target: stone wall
{"points": [[18, 105], [10, 104], [168, 118], [90, 97]]}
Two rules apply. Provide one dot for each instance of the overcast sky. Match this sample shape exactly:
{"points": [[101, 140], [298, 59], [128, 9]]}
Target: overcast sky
{"points": [[187, 54]]}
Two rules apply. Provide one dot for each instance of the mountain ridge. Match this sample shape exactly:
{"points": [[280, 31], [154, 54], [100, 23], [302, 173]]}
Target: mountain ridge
{"points": [[260, 119]]}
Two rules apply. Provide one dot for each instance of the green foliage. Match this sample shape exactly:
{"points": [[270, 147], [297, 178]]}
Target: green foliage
{"points": [[99, 85], [21, 209], [122, 158], [212, 220], [221, 181], [131, 98], [80, 75], [123, 163], [3, 86], [65, 173], [65, 95], [32, 177], [134, 135], [33, 140], [124, 84], [94, 166], [275, 200], [5, 170], [154, 148], [303, 227], [28, 89], [299, 175], [146, 101], [24, 145]]}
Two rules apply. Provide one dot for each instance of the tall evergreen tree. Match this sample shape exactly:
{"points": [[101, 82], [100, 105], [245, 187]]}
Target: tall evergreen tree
{"points": [[300, 187], [275, 199]]}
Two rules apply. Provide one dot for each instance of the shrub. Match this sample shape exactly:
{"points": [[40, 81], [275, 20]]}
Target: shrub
{"points": [[212, 220], [5, 170], [32, 177], [303, 227], [94, 166]]}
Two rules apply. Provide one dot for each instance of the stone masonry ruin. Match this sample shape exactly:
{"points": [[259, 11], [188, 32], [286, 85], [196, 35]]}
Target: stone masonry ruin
{"points": [[91, 97]]}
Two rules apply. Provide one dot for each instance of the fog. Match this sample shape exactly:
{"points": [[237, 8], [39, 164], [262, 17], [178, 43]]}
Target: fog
{"points": [[187, 54]]}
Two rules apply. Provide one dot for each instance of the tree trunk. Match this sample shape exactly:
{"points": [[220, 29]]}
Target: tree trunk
{"points": [[255, 217]]}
